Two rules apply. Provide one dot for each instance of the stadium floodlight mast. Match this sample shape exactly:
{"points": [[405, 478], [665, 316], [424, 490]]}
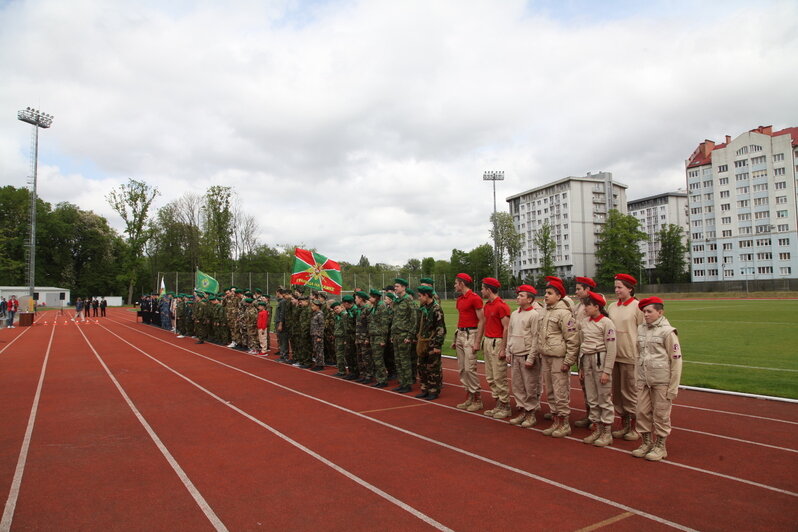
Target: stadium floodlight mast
{"points": [[494, 176], [38, 119]]}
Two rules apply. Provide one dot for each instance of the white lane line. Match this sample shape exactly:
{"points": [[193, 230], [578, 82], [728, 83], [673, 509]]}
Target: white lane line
{"points": [[490, 461], [374, 489], [740, 366], [13, 495], [17, 337], [192, 489], [666, 462], [746, 322]]}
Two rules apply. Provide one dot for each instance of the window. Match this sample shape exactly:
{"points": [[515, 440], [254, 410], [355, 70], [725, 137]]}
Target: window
{"points": [[698, 273], [724, 193], [728, 273], [725, 167], [781, 214], [713, 247], [743, 150], [745, 230], [760, 201], [725, 220], [744, 203], [760, 187], [746, 243], [758, 160], [764, 256], [697, 236], [725, 206], [783, 227], [723, 181], [741, 164], [763, 241], [712, 260], [698, 223], [756, 174], [698, 247], [763, 228], [765, 269], [785, 270], [726, 233], [696, 210], [743, 190], [784, 256], [761, 215], [784, 241], [746, 257], [778, 157], [781, 200], [744, 216], [781, 185], [755, 147], [778, 171], [708, 197], [742, 177]]}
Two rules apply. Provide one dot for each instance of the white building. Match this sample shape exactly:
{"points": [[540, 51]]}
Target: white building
{"points": [[742, 200], [576, 208], [655, 213], [47, 295]]}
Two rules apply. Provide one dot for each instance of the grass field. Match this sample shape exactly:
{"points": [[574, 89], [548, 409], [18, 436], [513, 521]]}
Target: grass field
{"points": [[762, 335]]}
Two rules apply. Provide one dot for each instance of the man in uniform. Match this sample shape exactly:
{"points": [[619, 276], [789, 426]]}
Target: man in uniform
{"points": [[379, 327], [317, 334], [581, 291], [303, 337], [403, 330], [525, 364], [339, 333], [348, 303], [364, 360], [201, 320], [280, 324], [494, 342], [467, 339], [180, 304], [431, 335]]}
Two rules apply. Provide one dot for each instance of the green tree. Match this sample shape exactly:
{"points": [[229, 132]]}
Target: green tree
{"points": [[413, 266], [546, 246], [132, 201], [427, 266], [217, 229], [671, 266], [507, 238], [618, 247]]}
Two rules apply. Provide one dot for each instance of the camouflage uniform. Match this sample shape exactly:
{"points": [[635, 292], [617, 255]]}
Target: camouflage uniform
{"points": [[188, 318], [379, 327], [317, 337], [351, 352], [280, 318], [329, 336], [201, 319], [431, 335], [403, 330], [180, 326], [241, 325], [305, 347], [251, 326], [413, 341], [293, 320], [364, 361], [340, 323], [232, 312], [222, 329], [390, 360]]}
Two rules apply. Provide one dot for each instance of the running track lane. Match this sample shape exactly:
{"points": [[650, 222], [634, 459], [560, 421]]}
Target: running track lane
{"points": [[417, 472], [635, 490]]}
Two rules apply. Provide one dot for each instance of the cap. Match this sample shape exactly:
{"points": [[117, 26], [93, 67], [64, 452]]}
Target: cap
{"points": [[587, 281], [526, 288], [375, 293], [464, 277], [597, 298], [626, 277], [248, 300], [426, 280], [649, 300], [335, 304], [263, 304], [348, 299], [391, 296], [423, 289], [550, 278], [401, 281], [556, 283], [361, 294], [490, 281]]}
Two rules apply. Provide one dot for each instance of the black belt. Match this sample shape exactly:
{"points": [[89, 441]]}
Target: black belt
{"points": [[598, 357], [466, 328]]}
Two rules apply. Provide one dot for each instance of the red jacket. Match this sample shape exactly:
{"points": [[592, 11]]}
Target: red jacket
{"points": [[263, 319], [13, 305]]}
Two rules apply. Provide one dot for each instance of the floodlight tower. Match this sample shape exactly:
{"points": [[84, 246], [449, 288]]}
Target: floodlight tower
{"points": [[494, 176], [38, 119]]}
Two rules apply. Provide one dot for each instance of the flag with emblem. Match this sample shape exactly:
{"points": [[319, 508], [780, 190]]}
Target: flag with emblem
{"points": [[206, 283], [162, 292], [316, 271]]}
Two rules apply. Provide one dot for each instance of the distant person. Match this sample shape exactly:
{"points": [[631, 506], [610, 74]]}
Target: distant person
{"points": [[103, 305], [79, 309], [3, 307], [95, 306], [12, 305]]}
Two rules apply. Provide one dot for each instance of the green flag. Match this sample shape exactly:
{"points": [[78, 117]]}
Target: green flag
{"points": [[205, 283]]}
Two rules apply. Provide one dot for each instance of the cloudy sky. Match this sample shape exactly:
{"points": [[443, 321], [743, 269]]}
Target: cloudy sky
{"points": [[364, 127]]}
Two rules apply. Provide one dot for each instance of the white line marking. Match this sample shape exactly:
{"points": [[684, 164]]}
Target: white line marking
{"points": [[667, 462], [13, 495], [739, 366], [192, 489], [17, 337], [746, 322], [390, 498]]}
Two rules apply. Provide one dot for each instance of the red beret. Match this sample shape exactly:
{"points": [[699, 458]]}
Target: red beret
{"points": [[626, 277], [464, 276], [598, 298], [526, 288], [649, 300], [555, 283], [587, 281], [490, 281], [550, 278]]}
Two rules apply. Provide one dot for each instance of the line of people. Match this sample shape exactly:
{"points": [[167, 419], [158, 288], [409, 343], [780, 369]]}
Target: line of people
{"points": [[89, 307]]}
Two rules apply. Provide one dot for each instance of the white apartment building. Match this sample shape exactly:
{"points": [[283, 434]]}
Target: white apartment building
{"points": [[576, 208], [742, 201], [656, 212]]}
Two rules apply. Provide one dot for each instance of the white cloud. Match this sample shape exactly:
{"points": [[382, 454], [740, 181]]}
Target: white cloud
{"points": [[364, 127]]}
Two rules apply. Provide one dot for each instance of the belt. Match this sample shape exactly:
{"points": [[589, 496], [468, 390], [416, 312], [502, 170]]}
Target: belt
{"points": [[466, 328], [598, 357]]}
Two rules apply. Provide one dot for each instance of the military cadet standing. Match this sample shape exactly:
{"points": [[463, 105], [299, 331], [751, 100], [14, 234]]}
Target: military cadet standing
{"points": [[339, 333], [180, 327], [431, 335], [403, 331], [659, 371], [467, 340], [305, 345], [626, 316], [522, 334], [378, 336], [232, 312], [280, 324], [317, 334], [251, 325], [364, 361], [188, 311], [390, 360], [583, 286], [348, 303], [494, 342], [201, 320]]}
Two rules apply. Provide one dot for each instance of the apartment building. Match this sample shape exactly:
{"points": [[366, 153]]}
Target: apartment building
{"points": [[742, 206], [655, 213], [576, 208]]}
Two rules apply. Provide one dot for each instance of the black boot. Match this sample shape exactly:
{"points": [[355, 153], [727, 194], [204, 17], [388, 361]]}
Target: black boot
{"points": [[423, 395]]}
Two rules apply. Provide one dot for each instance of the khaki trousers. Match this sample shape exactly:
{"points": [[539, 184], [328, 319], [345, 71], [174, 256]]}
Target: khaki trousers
{"points": [[263, 338], [526, 383], [624, 389], [467, 359], [599, 396], [496, 370], [557, 385], [654, 408]]}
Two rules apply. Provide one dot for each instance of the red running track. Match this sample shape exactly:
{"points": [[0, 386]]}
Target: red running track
{"points": [[134, 429]]}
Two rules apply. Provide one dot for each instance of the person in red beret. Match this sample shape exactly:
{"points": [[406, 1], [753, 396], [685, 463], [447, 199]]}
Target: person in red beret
{"points": [[581, 289], [659, 371], [596, 360], [494, 342], [524, 361], [558, 345], [626, 316], [467, 337]]}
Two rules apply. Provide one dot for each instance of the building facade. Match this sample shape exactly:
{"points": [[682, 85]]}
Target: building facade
{"points": [[576, 208], [655, 213], [742, 206]]}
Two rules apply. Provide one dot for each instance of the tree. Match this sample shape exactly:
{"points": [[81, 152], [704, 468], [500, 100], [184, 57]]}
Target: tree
{"points": [[508, 239], [217, 229], [363, 262], [132, 201], [618, 247], [412, 266], [428, 266], [671, 266], [546, 246]]}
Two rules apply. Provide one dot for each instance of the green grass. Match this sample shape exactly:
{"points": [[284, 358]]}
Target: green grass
{"points": [[741, 332]]}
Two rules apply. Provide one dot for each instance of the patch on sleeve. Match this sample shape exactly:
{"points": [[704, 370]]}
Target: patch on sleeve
{"points": [[676, 353], [610, 335], [571, 325]]}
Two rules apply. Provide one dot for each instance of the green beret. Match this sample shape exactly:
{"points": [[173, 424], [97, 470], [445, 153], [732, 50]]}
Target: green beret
{"points": [[375, 293], [258, 291], [425, 290], [213, 298], [348, 299], [391, 296], [316, 302], [248, 293], [248, 300], [263, 304], [335, 304], [233, 287], [401, 281], [189, 302], [239, 291], [426, 280], [362, 294]]}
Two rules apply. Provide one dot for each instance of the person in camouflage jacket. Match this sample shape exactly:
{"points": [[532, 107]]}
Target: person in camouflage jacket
{"points": [[431, 335], [379, 329]]}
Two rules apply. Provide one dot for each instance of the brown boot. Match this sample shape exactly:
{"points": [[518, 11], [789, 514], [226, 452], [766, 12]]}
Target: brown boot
{"points": [[529, 420], [476, 403], [464, 405], [582, 423], [605, 438], [626, 424], [493, 410], [597, 428], [517, 420], [502, 411], [645, 445], [632, 434], [564, 429], [658, 451], [554, 426]]}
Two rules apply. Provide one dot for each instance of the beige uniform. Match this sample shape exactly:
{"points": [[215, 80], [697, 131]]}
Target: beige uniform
{"points": [[521, 348], [558, 344], [598, 357], [626, 316], [659, 370]]}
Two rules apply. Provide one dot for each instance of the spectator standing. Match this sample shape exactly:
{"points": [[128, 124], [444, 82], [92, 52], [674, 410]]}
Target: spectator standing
{"points": [[103, 305], [95, 306], [12, 305]]}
